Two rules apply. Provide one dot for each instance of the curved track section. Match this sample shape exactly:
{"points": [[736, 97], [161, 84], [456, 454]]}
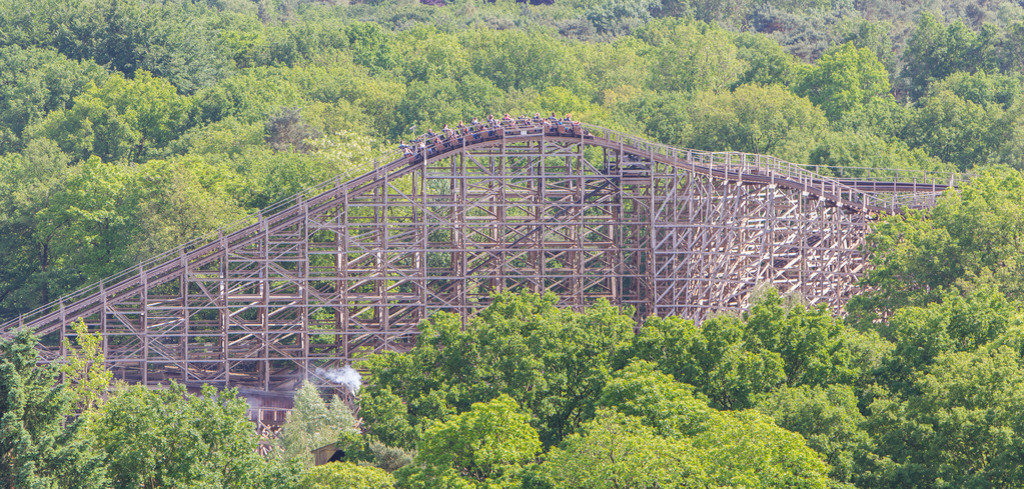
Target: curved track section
{"points": [[350, 267]]}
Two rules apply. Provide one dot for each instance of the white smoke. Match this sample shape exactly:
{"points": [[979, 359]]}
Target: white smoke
{"points": [[347, 376]]}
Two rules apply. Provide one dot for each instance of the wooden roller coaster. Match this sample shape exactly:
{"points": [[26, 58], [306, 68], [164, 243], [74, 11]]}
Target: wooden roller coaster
{"points": [[350, 267]]}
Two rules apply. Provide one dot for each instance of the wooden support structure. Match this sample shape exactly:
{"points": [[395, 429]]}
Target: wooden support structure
{"points": [[350, 268]]}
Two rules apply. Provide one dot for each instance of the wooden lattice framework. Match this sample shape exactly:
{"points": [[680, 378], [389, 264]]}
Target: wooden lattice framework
{"points": [[351, 267]]}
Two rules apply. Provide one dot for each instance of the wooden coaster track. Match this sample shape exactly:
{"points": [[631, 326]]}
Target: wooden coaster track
{"points": [[350, 267]]}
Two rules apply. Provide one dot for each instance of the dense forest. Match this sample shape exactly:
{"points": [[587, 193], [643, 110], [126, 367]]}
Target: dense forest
{"points": [[130, 126]]}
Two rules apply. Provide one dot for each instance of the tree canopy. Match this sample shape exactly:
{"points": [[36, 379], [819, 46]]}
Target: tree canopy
{"points": [[130, 126], [251, 99]]}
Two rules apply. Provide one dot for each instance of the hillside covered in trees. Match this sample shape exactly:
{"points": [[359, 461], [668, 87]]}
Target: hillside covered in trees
{"points": [[130, 126]]}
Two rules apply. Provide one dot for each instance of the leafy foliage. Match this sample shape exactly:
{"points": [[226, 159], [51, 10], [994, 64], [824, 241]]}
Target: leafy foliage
{"points": [[731, 359], [38, 447], [218, 91], [655, 433], [487, 444], [844, 78], [936, 51], [129, 126], [551, 361], [967, 241], [85, 374], [36, 82], [120, 119], [347, 475], [959, 427], [161, 438], [615, 450], [497, 359], [313, 423], [831, 421], [756, 119]]}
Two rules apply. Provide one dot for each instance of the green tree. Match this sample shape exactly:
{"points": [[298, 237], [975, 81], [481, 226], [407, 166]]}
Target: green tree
{"points": [[935, 51], [267, 176], [348, 90], [436, 102], [614, 66], [553, 362], [250, 96], [275, 473], [389, 417], [170, 202], [179, 42], [748, 449], [620, 16], [1009, 133], [713, 358], [39, 447], [961, 429], [120, 119], [670, 407], [969, 239], [88, 224], [370, 45], [425, 53], [347, 475], [174, 40], [733, 359], [831, 422], [689, 56], [980, 88], [804, 28], [955, 130], [756, 119], [34, 82], [875, 35], [517, 60], [1011, 48], [293, 43], [486, 445], [615, 450], [64, 226], [655, 433], [852, 154], [85, 373], [225, 138], [313, 423], [883, 117], [287, 131], [768, 63], [665, 117], [170, 438], [30, 183], [956, 323], [845, 77]]}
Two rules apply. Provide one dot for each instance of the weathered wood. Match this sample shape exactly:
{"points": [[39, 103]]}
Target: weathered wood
{"points": [[352, 267]]}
